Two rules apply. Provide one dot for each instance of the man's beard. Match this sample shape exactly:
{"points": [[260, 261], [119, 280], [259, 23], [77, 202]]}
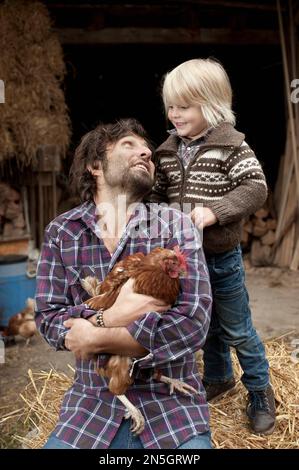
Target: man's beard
{"points": [[133, 183], [137, 184]]}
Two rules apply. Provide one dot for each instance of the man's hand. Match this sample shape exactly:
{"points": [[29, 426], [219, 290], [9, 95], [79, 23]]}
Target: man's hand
{"points": [[130, 306], [203, 217], [85, 340], [80, 339]]}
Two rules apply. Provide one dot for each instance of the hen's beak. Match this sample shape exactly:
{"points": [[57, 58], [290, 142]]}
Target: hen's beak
{"points": [[183, 272]]}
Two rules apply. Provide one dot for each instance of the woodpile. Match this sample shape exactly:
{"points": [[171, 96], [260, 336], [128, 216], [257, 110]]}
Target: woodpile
{"points": [[258, 236], [12, 220], [271, 235]]}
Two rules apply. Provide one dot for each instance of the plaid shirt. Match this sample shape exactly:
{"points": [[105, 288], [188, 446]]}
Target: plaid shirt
{"points": [[188, 148], [90, 414]]}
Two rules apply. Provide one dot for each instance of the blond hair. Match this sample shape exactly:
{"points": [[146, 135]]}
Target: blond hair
{"points": [[204, 83]]}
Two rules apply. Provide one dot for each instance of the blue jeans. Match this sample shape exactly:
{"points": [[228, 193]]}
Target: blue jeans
{"points": [[231, 325], [124, 439], [55, 443]]}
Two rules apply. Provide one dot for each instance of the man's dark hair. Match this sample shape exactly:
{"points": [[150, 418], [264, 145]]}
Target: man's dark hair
{"points": [[92, 149]]}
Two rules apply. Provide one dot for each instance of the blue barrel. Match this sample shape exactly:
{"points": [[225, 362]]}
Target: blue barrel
{"points": [[15, 286]]}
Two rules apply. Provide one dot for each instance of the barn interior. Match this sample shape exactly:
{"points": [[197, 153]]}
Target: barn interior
{"points": [[110, 61], [67, 65], [117, 55]]}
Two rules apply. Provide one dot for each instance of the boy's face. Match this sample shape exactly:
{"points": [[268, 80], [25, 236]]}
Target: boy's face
{"points": [[188, 120]]}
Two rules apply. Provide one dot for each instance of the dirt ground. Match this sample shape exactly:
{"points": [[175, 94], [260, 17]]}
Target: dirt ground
{"points": [[274, 299]]}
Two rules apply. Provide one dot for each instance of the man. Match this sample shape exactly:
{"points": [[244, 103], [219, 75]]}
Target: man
{"points": [[113, 171]]}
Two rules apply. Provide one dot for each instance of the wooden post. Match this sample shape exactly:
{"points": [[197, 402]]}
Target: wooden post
{"points": [[40, 212], [289, 104], [295, 261], [33, 212], [54, 198], [49, 164]]}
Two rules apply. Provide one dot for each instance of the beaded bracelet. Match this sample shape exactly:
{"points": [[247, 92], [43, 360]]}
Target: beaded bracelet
{"points": [[99, 318]]}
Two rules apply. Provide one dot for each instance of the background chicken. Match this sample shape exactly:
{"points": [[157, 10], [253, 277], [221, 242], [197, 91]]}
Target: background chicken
{"points": [[22, 323], [157, 275]]}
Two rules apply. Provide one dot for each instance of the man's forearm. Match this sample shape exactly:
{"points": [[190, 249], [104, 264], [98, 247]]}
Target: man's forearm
{"points": [[117, 341]]}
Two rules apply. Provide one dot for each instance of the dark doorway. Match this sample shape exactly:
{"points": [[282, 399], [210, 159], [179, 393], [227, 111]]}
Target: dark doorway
{"points": [[108, 82]]}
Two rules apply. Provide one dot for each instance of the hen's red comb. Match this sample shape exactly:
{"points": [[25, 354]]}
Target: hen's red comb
{"points": [[181, 257]]}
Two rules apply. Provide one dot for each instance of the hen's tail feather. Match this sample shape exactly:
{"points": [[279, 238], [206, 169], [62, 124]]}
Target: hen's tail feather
{"points": [[117, 370], [92, 285]]}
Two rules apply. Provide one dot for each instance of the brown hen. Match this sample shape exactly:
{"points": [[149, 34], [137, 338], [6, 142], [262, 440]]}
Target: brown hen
{"points": [[22, 323], [157, 275]]}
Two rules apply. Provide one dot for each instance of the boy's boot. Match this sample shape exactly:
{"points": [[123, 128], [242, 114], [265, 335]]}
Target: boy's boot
{"points": [[261, 410], [217, 390]]}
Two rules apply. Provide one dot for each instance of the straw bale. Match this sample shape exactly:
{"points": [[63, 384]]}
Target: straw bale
{"points": [[6, 141], [32, 67], [30, 19], [229, 425], [55, 59]]}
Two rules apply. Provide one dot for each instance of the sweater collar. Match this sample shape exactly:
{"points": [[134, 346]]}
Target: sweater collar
{"points": [[188, 142], [224, 135]]}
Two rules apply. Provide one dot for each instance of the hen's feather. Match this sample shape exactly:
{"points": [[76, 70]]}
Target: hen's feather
{"points": [[151, 277], [22, 323]]}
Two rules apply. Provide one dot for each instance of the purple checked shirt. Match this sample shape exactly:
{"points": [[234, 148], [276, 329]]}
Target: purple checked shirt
{"points": [[90, 414]]}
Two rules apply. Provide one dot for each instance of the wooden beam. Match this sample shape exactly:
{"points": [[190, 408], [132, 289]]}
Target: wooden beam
{"points": [[167, 36], [218, 3], [234, 4]]}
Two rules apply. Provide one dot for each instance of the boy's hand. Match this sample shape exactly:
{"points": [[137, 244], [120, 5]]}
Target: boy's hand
{"points": [[203, 217]]}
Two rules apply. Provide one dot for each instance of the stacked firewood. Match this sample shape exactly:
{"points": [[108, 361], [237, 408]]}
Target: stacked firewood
{"points": [[12, 222], [258, 237], [271, 235]]}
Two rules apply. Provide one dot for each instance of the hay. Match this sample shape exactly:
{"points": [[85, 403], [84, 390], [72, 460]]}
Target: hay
{"points": [[42, 398], [228, 417], [32, 68], [229, 425]]}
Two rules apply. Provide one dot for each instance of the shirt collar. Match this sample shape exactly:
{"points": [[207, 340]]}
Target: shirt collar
{"points": [[189, 142], [87, 212]]}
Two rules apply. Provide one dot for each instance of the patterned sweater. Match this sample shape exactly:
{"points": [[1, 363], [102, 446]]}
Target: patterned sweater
{"points": [[224, 175]]}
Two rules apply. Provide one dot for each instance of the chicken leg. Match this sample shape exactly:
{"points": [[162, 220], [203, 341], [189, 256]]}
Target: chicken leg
{"points": [[174, 384], [133, 413]]}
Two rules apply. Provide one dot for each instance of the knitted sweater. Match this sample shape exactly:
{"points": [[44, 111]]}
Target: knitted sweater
{"points": [[224, 175]]}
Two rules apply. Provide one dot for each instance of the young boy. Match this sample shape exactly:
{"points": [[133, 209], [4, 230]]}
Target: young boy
{"points": [[206, 162]]}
